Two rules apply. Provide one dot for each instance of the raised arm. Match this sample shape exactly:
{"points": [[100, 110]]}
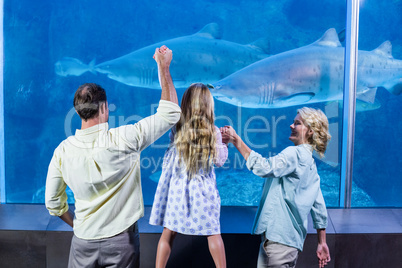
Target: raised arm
{"points": [[149, 129], [163, 56]]}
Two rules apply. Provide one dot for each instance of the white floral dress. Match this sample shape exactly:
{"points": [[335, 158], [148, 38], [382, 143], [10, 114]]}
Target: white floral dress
{"points": [[187, 206]]}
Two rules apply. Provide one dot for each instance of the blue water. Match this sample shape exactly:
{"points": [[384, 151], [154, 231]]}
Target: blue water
{"points": [[38, 102]]}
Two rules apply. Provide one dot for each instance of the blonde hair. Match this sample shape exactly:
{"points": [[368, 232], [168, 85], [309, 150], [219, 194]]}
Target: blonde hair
{"points": [[195, 132], [317, 121]]}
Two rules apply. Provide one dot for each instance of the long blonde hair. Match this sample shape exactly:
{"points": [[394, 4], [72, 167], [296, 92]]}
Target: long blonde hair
{"points": [[195, 132], [317, 121]]}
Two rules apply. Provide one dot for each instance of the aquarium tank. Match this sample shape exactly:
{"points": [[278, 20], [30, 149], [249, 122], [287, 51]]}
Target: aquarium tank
{"points": [[264, 58]]}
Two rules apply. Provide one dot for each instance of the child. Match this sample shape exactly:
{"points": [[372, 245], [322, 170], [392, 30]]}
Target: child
{"points": [[187, 199]]}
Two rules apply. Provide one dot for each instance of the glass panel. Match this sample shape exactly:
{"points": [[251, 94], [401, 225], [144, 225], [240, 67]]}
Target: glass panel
{"points": [[377, 160], [2, 162], [53, 46]]}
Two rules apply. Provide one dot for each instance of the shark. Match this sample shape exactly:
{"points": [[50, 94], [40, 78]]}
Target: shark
{"points": [[201, 57], [311, 74]]}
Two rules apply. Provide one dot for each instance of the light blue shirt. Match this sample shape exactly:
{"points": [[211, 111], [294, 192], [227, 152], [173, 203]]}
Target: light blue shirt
{"points": [[291, 191]]}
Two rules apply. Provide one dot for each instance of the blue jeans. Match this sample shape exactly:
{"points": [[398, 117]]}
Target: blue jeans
{"points": [[122, 250]]}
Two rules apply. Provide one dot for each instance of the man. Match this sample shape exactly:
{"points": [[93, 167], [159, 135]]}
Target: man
{"points": [[102, 168]]}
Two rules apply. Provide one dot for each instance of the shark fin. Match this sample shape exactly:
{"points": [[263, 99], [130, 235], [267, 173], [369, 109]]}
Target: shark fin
{"points": [[296, 99], [362, 106], [367, 94], [211, 30], [385, 49], [329, 39], [262, 44]]}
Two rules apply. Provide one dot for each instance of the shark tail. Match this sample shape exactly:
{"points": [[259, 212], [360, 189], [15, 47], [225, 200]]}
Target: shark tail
{"points": [[91, 66], [72, 66]]}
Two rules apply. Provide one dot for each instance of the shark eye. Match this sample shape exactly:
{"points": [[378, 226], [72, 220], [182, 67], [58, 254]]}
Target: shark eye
{"points": [[210, 86], [216, 87]]}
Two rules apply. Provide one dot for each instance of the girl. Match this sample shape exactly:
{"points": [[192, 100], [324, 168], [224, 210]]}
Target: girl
{"points": [[187, 199]]}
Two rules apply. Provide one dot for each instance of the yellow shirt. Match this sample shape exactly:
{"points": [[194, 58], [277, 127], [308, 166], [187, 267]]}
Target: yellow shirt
{"points": [[102, 168]]}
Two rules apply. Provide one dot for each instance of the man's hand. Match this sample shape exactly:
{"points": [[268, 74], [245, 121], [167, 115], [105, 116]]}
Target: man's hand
{"points": [[323, 254], [163, 57], [68, 217]]}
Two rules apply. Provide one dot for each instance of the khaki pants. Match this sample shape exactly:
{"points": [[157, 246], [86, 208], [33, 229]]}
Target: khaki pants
{"points": [[276, 255], [122, 250]]}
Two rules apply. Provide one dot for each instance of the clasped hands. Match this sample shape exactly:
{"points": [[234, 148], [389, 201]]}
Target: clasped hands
{"points": [[163, 55], [229, 135]]}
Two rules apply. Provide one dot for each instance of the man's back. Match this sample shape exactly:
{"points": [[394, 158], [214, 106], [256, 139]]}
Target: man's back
{"points": [[102, 168]]}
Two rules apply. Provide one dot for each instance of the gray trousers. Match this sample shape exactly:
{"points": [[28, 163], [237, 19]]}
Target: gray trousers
{"points": [[276, 255], [122, 250]]}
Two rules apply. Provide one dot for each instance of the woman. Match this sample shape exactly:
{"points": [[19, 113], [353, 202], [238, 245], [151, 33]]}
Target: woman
{"points": [[187, 199], [291, 191]]}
